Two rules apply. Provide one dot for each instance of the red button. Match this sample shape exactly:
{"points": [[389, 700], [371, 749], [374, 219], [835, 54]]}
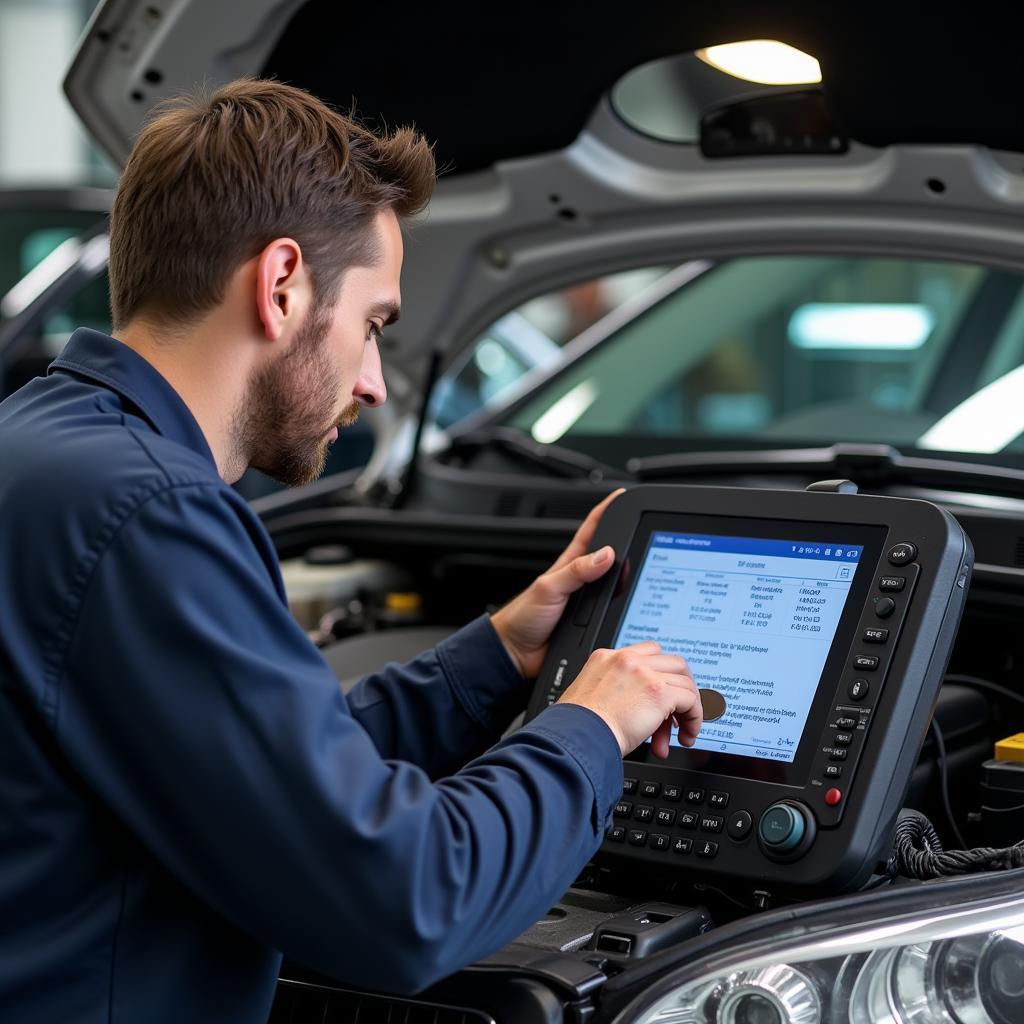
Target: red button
{"points": [[833, 796]]}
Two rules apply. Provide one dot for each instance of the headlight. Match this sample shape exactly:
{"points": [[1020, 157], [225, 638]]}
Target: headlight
{"points": [[951, 965]]}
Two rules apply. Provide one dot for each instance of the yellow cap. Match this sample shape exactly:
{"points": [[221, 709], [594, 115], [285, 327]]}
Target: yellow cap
{"points": [[1011, 749], [403, 601]]}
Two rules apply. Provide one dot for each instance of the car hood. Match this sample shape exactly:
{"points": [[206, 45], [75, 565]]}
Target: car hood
{"points": [[544, 183]]}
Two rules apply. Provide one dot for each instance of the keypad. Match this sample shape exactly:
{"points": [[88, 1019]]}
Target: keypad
{"points": [[705, 848], [628, 786], [688, 819], [712, 823], [643, 812], [616, 834], [650, 789], [623, 809], [682, 844], [637, 836], [659, 841], [719, 800], [666, 816], [695, 797], [672, 793]]}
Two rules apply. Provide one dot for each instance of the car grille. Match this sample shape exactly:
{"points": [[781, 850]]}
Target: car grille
{"points": [[300, 1003]]}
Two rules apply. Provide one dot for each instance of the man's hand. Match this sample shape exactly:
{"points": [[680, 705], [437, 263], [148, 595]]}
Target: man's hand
{"points": [[639, 692], [525, 624]]}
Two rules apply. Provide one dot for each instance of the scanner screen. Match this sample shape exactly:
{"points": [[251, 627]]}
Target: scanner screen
{"points": [[754, 617]]}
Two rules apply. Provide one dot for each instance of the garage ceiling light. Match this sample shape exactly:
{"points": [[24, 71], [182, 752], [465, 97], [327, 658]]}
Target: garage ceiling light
{"points": [[860, 325], [765, 61]]}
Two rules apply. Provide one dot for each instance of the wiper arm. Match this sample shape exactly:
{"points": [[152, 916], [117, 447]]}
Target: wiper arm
{"points": [[559, 461], [865, 464]]}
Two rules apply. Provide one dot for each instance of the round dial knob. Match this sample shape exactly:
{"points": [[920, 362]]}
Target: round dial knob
{"points": [[782, 827]]}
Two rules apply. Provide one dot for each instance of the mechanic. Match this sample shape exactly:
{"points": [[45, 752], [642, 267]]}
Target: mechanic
{"points": [[185, 793]]}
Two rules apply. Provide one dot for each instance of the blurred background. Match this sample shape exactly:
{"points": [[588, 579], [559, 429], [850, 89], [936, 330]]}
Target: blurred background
{"points": [[41, 141]]}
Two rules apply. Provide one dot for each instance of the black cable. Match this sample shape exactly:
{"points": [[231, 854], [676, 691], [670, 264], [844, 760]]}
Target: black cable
{"points": [[917, 853], [940, 743], [1002, 810], [984, 684]]}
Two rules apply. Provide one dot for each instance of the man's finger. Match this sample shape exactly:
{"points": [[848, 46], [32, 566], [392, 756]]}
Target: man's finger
{"points": [[560, 582], [585, 534]]}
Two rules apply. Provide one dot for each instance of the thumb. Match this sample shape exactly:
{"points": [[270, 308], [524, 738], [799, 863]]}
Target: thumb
{"points": [[581, 570]]}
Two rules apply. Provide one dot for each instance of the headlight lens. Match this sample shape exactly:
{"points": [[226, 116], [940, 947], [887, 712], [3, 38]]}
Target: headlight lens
{"points": [[947, 966]]}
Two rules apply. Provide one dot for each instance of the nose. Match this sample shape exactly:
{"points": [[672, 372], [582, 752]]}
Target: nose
{"points": [[369, 387]]}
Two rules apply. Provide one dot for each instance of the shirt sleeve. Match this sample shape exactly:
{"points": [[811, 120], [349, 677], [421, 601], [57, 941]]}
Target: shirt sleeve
{"points": [[446, 705], [188, 703]]}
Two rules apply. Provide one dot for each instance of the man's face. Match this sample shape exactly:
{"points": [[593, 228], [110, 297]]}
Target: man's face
{"points": [[295, 405]]}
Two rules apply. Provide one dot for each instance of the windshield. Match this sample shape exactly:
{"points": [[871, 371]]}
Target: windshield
{"points": [[786, 350]]}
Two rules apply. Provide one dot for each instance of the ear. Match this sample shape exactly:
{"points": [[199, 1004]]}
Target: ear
{"points": [[282, 288]]}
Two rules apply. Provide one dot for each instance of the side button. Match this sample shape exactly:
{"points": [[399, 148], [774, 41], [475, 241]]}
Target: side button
{"points": [[858, 689], [884, 607]]}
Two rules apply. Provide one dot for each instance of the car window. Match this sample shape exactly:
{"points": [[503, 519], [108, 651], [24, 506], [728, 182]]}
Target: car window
{"points": [[28, 236], [804, 349], [530, 338]]}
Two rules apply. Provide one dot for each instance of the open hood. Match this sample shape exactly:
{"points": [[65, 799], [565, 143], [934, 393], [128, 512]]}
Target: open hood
{"points": [[545, 183]]}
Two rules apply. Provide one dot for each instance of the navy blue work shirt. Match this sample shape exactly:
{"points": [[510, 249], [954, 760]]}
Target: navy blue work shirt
{"points": [[185, 793]]}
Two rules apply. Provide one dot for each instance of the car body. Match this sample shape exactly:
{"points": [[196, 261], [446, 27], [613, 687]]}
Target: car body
{"points": [[724, 356]]}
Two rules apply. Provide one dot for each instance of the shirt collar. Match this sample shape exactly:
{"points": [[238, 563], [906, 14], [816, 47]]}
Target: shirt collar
{"points": [[113, 364]]}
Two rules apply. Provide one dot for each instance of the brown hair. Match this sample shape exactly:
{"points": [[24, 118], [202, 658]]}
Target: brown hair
{"points": [[213, 179]]}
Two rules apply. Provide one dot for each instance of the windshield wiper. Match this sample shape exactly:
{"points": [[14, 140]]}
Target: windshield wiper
{"points": [[558, 461], [870, 465]]}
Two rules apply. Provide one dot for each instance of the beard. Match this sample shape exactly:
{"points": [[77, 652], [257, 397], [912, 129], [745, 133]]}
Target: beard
{"points": [[289, 407]]}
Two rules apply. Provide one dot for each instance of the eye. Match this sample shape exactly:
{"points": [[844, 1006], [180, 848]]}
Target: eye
{"points": [[374, 333]]}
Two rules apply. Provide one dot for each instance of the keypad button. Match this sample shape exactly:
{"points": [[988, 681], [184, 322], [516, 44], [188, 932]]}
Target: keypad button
{"points": [[672, 793], [623, 809], [682, 844], [875, 635], [695, 796], [616, 834], [712, 823], [688, 819], [740, 824], [719, 800], [628, 787], [902, 554], [837, 754], [707, 849], [643, 812], [650, 789], [637, 836], [858, 689], [666, 816], [884, 607], [833, 771], [843, 739], [865, 663], [658, 841], [846, 723]]}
